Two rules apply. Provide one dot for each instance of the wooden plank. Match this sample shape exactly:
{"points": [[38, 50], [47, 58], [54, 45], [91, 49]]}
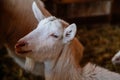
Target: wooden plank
{"points": [[89, 20], [83, 9], [73, 1], [114, 19]]}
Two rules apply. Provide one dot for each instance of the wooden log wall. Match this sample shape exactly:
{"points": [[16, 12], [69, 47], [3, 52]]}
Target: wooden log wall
{"points": [[86, 11]]}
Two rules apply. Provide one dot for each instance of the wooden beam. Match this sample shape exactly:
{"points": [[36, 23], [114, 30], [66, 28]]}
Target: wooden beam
{"points": [[89, 20], [73, 1]]}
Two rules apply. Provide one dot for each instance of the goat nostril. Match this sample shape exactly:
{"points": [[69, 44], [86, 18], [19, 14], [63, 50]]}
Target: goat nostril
{"points": [[20, 44]]}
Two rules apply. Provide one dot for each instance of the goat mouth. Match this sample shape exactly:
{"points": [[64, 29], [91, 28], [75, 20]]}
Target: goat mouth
{"points": [[23, 52]]}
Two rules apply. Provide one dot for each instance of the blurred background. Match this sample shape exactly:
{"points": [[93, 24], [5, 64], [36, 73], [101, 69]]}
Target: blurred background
{"points": [[98, 24]]}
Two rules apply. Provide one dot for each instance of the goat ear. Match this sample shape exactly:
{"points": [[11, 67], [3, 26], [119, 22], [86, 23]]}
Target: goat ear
{"points": [[69, 33], [37, 12]]}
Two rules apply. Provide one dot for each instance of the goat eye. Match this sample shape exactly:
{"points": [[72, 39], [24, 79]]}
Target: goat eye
{"points": [[54, 35]]}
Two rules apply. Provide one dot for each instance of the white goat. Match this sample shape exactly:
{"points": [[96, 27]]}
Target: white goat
{"points": [[53, 42]]}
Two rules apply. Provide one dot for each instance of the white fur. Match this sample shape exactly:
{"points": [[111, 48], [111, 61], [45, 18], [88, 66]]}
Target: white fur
{"points": [[29, 64], [38, 14], [94, 72], [69, 33], [116, 58]]}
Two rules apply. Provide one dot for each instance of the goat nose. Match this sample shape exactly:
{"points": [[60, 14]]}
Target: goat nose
{"points": [[21, 44]]}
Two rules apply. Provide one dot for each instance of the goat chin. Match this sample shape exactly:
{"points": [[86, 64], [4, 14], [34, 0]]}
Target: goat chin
{"points": [[29, 64], [35, 68]]}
